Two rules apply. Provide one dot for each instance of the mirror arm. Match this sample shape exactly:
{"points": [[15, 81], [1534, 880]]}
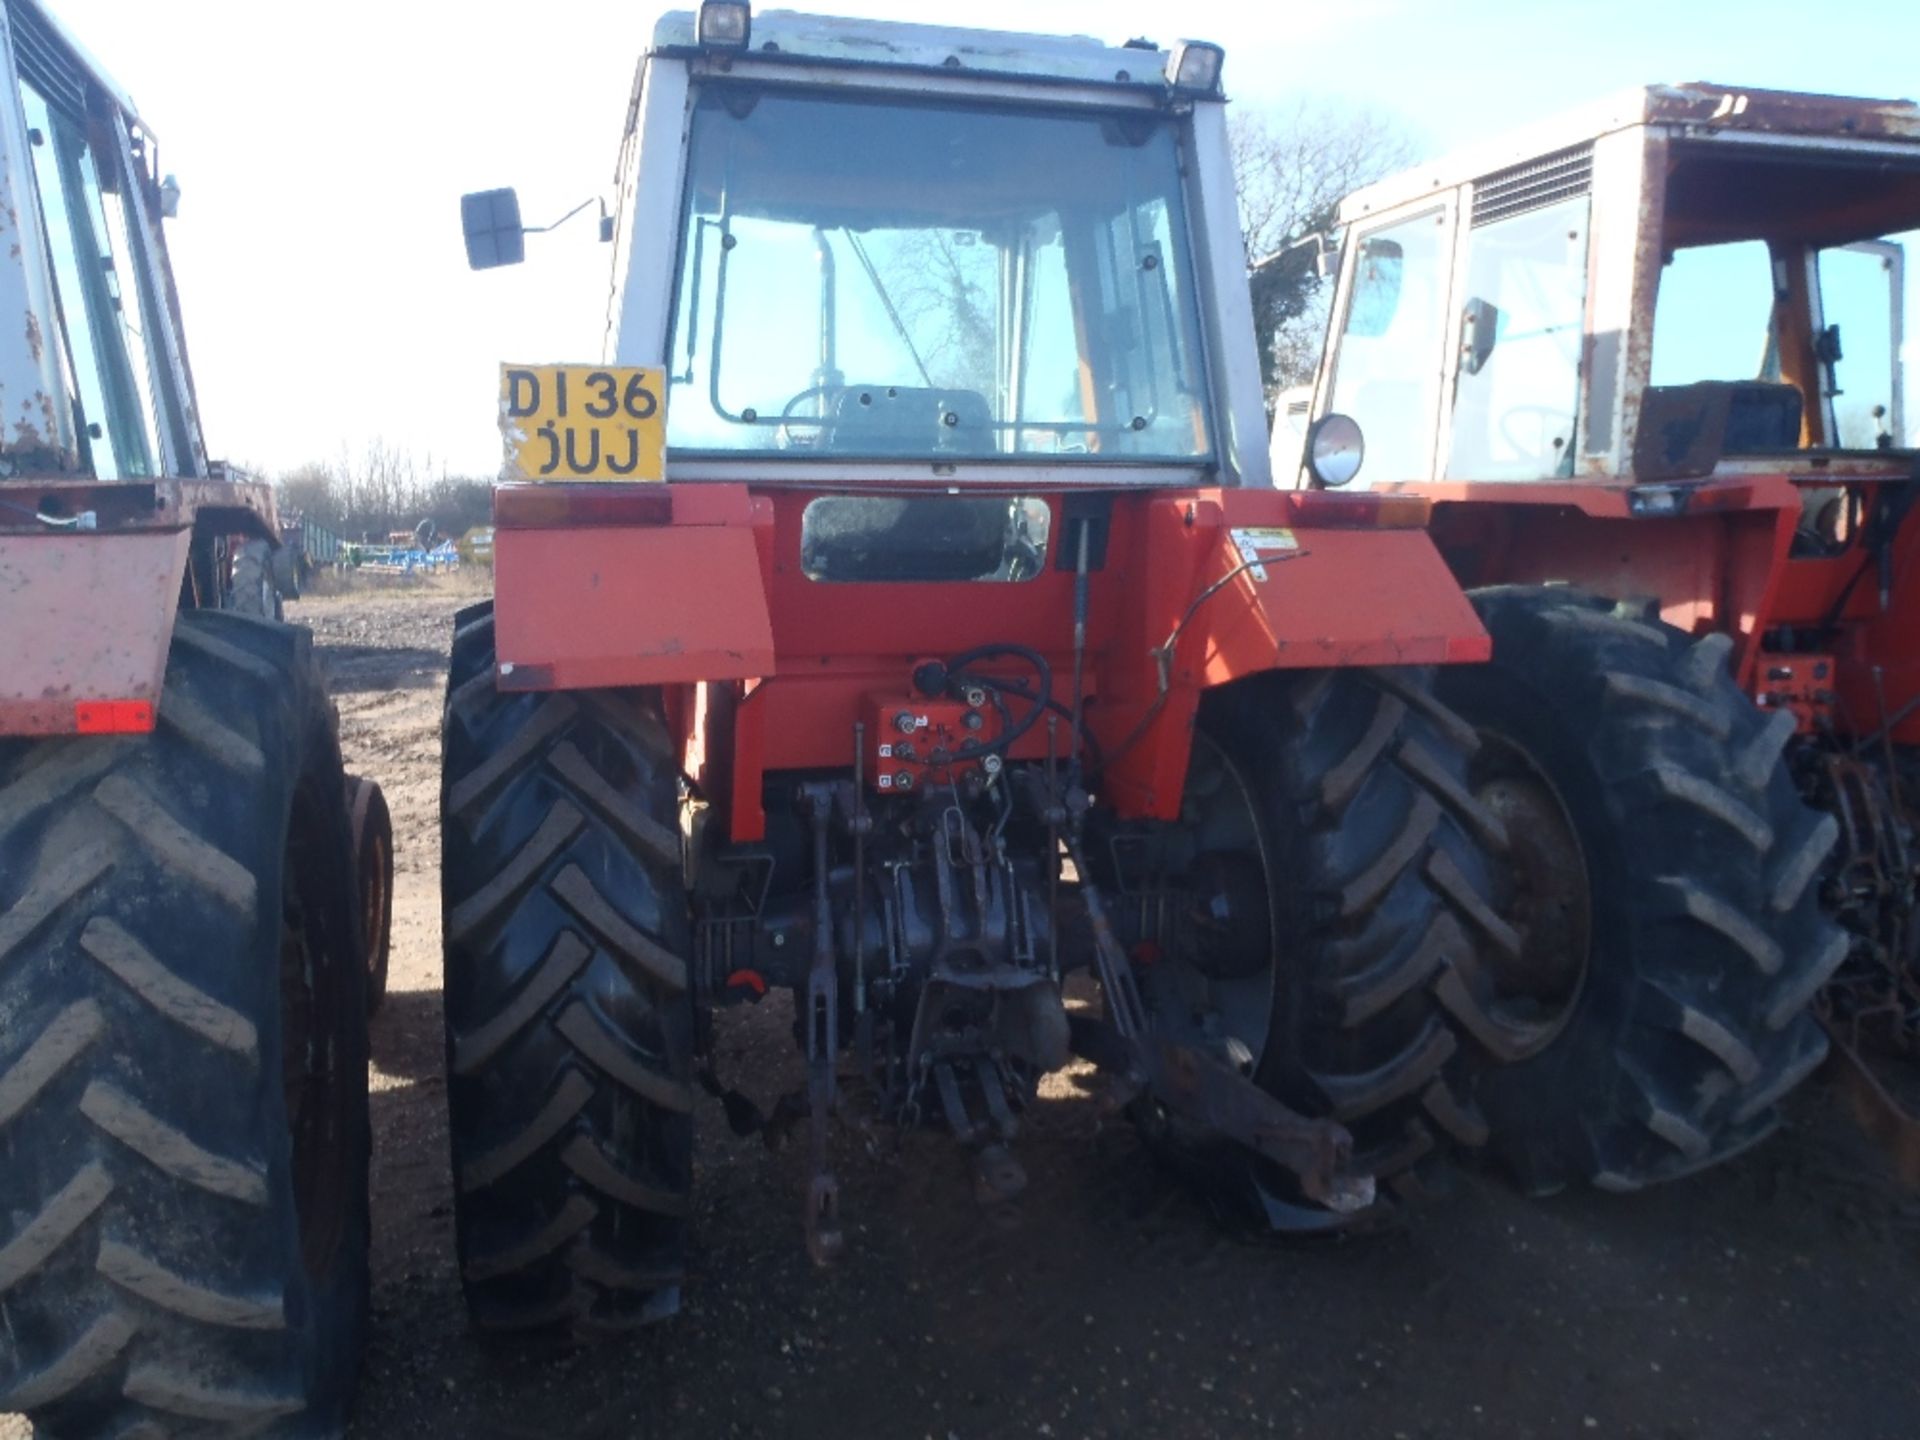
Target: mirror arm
{"points": [[1326, 254], [543, 229]]}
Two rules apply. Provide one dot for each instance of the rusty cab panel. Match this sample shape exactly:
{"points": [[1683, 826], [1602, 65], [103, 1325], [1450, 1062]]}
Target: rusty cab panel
{"points": [[1654, 349]]}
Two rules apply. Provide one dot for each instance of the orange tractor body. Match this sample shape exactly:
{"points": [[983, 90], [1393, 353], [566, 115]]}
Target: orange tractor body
{"points": [[702, 589]]}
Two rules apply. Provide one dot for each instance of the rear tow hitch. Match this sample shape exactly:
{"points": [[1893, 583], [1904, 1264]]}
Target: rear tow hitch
{"points": [[1199, 1090]]}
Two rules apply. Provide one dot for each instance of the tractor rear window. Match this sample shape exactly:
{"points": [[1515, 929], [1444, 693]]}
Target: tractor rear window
{"points": [[924, 538], [1786, 265], [885, 280], [1718, 317]]}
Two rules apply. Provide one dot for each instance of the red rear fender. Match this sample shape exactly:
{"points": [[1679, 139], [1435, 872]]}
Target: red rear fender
{"points": [[85, 623], [684, 584]]}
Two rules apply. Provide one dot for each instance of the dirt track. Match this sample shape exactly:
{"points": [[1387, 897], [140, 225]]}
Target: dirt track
{"points": [[1778, 1296]]}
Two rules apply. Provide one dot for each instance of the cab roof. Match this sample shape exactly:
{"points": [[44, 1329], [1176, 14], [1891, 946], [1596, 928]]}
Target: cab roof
{"points": [[1697, 109], [77, 54], [830, 40]]}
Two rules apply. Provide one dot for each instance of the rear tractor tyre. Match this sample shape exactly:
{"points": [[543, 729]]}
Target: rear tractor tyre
{"points": [[1652, 1003], [183, 1105], [570, 1027], [1331, 858]]}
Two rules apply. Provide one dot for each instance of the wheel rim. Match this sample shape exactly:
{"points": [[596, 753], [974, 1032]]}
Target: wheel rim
{"points": [[315, 1075], [1543, 888], [1206, 950], [375, 899]]}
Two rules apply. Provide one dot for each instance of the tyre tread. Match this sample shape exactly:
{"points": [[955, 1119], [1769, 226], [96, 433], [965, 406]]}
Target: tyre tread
{"points": [[569, 1022], [1694, 1026], [133, 1015]]}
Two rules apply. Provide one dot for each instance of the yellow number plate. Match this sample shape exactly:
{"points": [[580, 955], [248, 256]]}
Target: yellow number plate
{"points": [[584, 422]]}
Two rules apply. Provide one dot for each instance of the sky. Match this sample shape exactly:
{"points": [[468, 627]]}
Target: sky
{"points": [[322, 149]]}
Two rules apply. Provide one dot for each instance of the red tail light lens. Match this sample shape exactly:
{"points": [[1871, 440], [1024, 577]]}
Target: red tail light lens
{"points": [[113, 717]]}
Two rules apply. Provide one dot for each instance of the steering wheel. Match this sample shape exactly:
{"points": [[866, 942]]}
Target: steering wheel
{"points": [[820, 433]]}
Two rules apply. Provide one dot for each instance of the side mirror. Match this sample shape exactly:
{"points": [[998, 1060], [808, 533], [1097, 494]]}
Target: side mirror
{"points": [[1335, 450], [490, 220], [1479, 328]]}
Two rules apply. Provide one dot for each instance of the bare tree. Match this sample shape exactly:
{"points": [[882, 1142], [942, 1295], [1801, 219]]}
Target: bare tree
{"points": [[312, 491], [1293, 166], [383, 491]]}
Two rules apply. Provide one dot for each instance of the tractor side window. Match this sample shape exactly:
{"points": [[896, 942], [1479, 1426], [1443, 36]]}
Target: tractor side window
{"points": [[1714, 316], [1516, 397], [112, 395], [1859, 293], [1392, 339], [134, 302]]}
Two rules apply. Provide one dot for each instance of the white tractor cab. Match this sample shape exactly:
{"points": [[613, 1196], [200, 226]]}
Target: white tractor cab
{"points": [[1547, 307], [1067, 286], [96, 381]]}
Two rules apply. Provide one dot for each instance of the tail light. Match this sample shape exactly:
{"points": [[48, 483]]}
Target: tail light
{"points": [[113, 717], [1371, 510], [548, 506]]}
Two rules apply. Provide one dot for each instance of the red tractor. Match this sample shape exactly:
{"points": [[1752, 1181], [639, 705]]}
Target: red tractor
{"points": [[967, 645], [1645, 365], [191, 890]]}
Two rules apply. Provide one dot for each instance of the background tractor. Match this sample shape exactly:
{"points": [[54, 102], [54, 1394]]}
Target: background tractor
{"points": [[966, 646], [183, 939], [1645, 363]]}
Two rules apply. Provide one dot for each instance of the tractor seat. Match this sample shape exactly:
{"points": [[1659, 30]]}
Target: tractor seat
{"points": [[910, 420], [1685, 429]]}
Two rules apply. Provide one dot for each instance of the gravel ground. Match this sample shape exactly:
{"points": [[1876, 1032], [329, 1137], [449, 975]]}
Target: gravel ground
{"points": [[1777, 1296]]}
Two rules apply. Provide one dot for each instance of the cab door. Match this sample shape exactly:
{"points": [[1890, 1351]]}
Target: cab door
{"points": [[1387, 362]]}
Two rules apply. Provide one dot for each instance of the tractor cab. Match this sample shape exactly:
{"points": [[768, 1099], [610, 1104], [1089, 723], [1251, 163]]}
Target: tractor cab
{"points": [[922, 254], [1681, 281], [99, 385], [1686, 303]]}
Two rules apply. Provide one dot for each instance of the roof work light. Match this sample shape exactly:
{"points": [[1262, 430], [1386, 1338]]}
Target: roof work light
{"points": [[1194, 67], [725, 24]]}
